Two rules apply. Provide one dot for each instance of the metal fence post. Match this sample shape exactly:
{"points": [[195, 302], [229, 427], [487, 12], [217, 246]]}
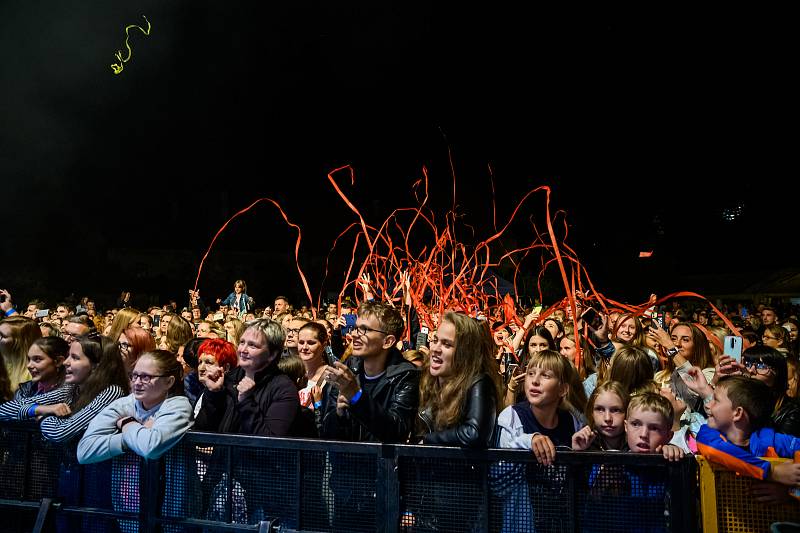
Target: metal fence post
{"points": [[387, 488], [683, 495], [149, 495]]}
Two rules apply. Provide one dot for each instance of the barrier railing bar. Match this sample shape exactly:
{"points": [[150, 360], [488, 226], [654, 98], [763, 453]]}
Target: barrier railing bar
{"points": [[229, 486]]}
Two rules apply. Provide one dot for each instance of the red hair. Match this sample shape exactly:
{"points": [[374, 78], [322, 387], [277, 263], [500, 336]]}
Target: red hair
{"points": [[222, 350], [140, 340]]}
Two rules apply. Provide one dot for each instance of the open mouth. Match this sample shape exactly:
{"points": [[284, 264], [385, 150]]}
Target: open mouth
{"points": [[643, 446]]}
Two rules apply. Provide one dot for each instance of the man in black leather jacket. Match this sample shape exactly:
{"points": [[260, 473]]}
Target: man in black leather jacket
{"points": [[376, 403]]}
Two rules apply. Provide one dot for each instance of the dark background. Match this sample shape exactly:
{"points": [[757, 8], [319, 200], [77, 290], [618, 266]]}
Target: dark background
{"points": [[650, 127]]}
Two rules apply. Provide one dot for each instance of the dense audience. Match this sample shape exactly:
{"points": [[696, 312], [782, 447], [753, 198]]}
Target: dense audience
{"points": [[670, 381]]}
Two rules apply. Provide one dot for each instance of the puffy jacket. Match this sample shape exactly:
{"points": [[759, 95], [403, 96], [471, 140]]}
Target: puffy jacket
{"points": [[763, 443], [386, 414], [476, 427], [269, 409]]}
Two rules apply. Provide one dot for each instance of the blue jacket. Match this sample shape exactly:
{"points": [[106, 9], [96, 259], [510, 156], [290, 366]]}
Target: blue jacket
{"points": [[245, 302], [763, 443]]}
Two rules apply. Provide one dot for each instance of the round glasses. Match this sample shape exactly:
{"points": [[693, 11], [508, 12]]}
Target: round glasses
{"points": [[761, 367], [144, 378]]}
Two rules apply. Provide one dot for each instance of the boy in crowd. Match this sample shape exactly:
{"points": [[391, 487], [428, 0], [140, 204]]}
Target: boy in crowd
{"points": [[736, 435], [648, 426]]}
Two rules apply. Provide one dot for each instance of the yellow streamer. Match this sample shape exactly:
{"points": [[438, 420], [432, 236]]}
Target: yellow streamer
{"points": [[117, 67]]}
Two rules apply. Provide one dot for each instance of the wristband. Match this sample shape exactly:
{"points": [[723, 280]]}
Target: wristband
{"points": [[11, 311], [356, 397], [318, 405], [125, 421], [32, 410]]}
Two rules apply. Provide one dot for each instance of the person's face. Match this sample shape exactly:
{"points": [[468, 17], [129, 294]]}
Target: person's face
{"points": [[124, 346], [567, 349], [759, 370], [792, 329], [232, 313], [647, 430], [187, 315], [552, 327], [72, 330], [286, 321], [203, 330], [608, 415], [238, 289], [721, 414], [42, 367], [768, 317], [291, 333], [253, 351], [62, 312], [249, 316], [90, 305], [769, 339], [559, 315], [627, 329], [164, 323], [144, 322], [682, 338], [543, 388], [195, 313], [500, 337], [280, 306], [537, 344], [207, 364], [31, 312], [78, 367], [702, 319], [154, 392], [372, 342], [443, 351], [309, 348], [331, 309]]}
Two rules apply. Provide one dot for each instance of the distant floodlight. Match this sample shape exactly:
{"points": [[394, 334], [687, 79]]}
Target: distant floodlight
{"points": [[646, 254]]}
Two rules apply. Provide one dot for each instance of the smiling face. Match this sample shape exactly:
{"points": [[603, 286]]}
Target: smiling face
{"points": [[208, 365], [627, 329], [537, 344], [253, 351], [372, 342], [309, 348], [683, 340], [442, 351], [42, 367], [77, 365]]}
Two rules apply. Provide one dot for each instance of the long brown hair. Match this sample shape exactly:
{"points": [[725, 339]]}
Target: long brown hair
{"points": [[107, 369], [179, 332], [122, 321], [631, 367], [15, 357], [474, 356], [701, 356], [5, 384]]}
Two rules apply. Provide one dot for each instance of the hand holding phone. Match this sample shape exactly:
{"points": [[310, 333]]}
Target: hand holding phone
{"points": [[732, 347]]}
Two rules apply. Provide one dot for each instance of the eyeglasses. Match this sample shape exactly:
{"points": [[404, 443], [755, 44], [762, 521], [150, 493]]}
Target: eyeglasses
{"points": [[144, 378], [768, 338], [124, 345], [293, 330], [363, 330], [761, 367]]}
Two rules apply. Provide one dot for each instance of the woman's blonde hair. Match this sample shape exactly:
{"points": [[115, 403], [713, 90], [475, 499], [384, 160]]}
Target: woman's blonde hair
{"points": [[24, 332], [125, 318], [473, 357]]}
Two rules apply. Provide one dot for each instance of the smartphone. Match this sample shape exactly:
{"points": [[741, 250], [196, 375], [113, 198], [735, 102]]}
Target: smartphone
{"points": [[350, 322], [422, 337], [733, 347], [537, 309], [659, 319], [592, 317], [42, 313], [156, 321]]}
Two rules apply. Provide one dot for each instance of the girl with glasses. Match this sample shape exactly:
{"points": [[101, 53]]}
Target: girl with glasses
{"points": [[133, 342]]}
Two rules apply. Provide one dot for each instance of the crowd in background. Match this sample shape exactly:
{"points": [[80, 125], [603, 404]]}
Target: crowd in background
{"points": [[671, 381]]}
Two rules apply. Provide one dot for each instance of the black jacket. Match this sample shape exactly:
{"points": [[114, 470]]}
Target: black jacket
{"points": [[787, 419], [385, 415], [269, 409], [476, 427]]}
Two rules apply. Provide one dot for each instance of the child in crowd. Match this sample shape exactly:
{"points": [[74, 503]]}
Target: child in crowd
{"points": [[46, 358], [736, 435], [605, 413], [648, 426], [541, 422]]}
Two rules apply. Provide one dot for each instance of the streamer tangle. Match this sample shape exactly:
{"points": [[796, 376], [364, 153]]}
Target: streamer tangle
{"points": [[117, 67]]}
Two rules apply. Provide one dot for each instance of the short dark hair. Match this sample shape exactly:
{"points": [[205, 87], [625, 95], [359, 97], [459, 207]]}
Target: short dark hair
{"points": [[284, 298], [752, 395], [84, 320]]}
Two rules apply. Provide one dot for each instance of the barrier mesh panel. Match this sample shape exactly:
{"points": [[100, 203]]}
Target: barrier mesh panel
{"points": [[442, 495], [738, 512]]}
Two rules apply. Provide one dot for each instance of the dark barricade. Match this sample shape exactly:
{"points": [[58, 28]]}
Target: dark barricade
{"points": [[234, 483]]}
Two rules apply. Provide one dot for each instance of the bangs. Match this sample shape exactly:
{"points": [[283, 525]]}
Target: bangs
{"points": [[552, 361]]}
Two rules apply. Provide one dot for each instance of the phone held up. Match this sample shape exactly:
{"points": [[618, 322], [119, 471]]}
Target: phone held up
{"points": [[422, 337], [592, 317], [733, 347]]}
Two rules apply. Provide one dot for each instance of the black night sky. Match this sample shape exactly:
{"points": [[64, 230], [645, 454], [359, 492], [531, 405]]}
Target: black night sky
{"points": [[649, 126]]}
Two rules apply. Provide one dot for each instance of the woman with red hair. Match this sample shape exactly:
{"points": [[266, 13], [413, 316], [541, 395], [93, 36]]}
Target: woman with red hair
{"points": [[132, 342], [215, 356]]}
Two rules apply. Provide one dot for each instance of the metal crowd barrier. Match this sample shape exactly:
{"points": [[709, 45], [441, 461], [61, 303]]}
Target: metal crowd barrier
{"points": [[212, 482]]}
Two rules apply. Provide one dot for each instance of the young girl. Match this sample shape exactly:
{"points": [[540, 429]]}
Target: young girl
{"points": [[46, 358], [95, 377], [149, 421], [542, 421], [605, 412]]}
